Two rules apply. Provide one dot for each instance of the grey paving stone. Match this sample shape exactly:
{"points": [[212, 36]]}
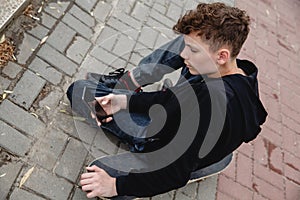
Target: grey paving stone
{"points": [[124, 6], [161, 39], [27, 89], [149, 2], [135, 59], [47, 20], [127, 19], [4, 83], [180, 3], [84, 132], [13, 140], [140, 11], [162, 19], [181, 196], [9, 173], [61, 37], [80, 195], [169, 195], [57, 60], [52, 99], [160, 7], [64, 122], [82, 16], [78, 50], [46, 71], [174, 11], [105, 143], [12, 69], [123, 47], [22, 120], [29, 44], [39, 31], [190, 5], [208, 188], [78, 26], [87, 5], [107, 38], [118, 63], [47, 184], [91, 64], [163, 29], [189, 190], [142, 50], [72, 160], [19, 194], [57, 9], [148, 36], [103, 55], [46, 151], [102, 10], [122, 28]]}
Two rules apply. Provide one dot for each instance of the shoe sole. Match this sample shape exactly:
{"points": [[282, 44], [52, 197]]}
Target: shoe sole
{"points": [[209, 175]]}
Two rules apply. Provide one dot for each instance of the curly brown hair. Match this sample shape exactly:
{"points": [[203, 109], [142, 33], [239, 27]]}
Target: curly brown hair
{"points": [[217, 25]]}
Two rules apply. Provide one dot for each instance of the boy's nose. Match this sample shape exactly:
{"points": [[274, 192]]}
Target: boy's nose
{"points": [[183, 54]]}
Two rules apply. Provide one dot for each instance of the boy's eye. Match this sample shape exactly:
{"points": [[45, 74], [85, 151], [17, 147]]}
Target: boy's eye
{"points": [[194, 50]]}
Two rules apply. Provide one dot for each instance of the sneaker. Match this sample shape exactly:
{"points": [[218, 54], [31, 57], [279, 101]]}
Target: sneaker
{"points": [[119, 79], [211, 170], [110, 79]]}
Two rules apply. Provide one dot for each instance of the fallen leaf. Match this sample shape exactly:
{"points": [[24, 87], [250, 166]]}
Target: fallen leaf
{"points": [[2, 175], [35, 115], [66, 104], [63, 111], [4, 95], [48, 107], [40, 9], [79, 119], [35, 18], [2, 39], [44, 40], [8, 91], [26, 176]]}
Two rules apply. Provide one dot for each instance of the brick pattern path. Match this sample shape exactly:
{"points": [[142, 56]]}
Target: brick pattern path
{"points": [[94, 35], [269, 167]]}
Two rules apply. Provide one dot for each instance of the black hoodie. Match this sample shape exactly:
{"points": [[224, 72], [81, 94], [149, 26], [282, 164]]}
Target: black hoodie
{"points": [[208, 122]]}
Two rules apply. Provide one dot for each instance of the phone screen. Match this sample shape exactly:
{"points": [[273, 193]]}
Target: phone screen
{"points": [[93, 105]]}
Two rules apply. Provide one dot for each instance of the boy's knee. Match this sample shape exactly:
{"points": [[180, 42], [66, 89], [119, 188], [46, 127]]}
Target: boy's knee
{"points": [[75, 89]]}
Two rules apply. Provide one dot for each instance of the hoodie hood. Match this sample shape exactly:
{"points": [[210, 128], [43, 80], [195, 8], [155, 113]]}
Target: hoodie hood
{"points": [[253, 111]]}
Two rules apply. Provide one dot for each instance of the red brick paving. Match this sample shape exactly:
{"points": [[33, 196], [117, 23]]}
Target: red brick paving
{"points": [[269, 166]]}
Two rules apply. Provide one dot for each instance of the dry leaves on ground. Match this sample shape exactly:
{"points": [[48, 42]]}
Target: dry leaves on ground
{"points": [[6, 51]]}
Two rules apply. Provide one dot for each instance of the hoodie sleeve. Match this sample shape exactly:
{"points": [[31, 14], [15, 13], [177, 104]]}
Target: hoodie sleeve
{"points": [[176, 174], [143, 101]]}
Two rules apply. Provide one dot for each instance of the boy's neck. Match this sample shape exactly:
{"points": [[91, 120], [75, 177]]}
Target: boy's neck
{"points": [[228, 68]]}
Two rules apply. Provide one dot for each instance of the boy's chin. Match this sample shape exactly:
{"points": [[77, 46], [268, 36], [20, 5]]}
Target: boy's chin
{"points": [[194, 72]]}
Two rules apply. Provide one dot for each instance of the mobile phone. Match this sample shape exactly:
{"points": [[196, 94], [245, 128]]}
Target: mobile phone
{"points": [[93, 105]]}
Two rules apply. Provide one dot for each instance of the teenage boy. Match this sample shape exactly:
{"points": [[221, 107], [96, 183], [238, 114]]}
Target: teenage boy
{"points": [[211, 110]]}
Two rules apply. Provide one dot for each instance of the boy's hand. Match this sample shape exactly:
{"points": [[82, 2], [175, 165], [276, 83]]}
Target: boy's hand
{"points": [[112, 103], [98, 183]]}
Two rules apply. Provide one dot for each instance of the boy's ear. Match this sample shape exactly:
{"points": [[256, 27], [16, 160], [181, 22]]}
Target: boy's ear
{"points": [[223, 56]]}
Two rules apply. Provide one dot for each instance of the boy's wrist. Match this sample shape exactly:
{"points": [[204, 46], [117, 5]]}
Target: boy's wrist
{"points": [[123, 101]]}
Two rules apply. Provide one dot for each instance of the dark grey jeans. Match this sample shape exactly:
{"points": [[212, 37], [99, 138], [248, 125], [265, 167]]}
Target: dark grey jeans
{"points": [[128, 127]]}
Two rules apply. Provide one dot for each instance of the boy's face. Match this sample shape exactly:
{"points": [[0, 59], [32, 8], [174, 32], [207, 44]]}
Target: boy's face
{"points": [[197, 57]]}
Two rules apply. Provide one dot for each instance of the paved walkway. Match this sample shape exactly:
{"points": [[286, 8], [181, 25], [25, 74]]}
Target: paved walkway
{"points": [[43, 144]]}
